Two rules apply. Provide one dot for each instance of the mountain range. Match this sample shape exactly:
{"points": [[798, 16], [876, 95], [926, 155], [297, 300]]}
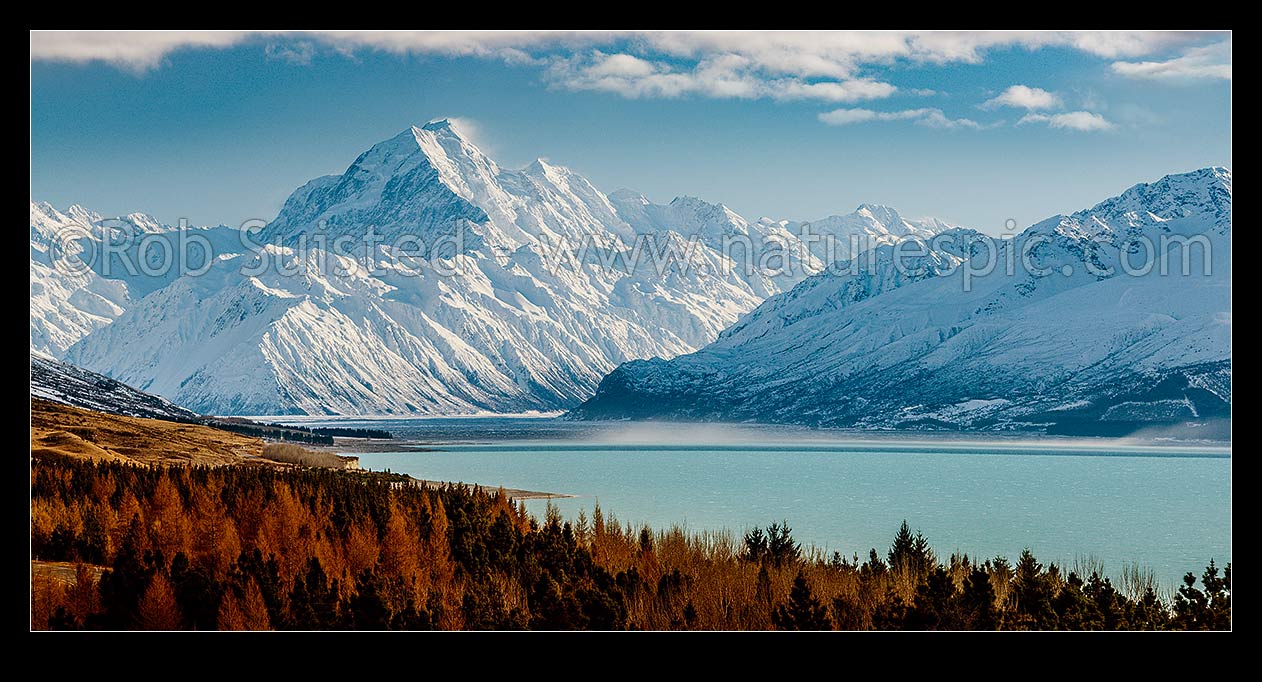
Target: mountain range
{"points": [[1078, 337], [425, 279]]}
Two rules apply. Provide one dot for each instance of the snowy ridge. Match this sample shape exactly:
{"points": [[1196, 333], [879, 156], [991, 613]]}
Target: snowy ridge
{"points": [[1074, 339]]}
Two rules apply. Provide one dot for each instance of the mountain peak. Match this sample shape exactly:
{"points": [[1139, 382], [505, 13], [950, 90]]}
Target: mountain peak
{"points": [[81, 215], [1221, 173], [696, 202], [445, 127], [882, 214], [444, 131], [542, 166], [629, 196], [1205, 191], [44, 208], [542, 169]]}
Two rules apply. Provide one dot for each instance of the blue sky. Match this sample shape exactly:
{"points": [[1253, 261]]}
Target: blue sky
{"points": [[974, 128]]}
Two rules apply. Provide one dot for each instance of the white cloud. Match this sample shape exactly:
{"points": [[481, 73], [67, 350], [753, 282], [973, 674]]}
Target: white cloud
{"points": [[621, 66], [932, 118], [842, 117], [969, 46], [936, 119], [132, 50], [721, 76], [300, 52], [837, 53], [1114, 44], [833, 91], [1209, 61], [143, 50], [1023, 97], [1084, 121]]}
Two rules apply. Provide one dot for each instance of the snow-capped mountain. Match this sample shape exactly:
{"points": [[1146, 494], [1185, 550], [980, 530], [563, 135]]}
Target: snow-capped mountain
{"points": [[477, 288], [1074, 332]]}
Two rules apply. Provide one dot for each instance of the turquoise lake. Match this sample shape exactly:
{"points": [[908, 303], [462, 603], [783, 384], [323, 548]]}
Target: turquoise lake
{"points": [[1165, 506]]}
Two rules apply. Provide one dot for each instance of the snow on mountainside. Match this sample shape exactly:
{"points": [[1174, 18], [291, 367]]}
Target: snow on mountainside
{"points": [[70, 385], [1077, 335], [86, 270], [66, 304], [481, 288]]}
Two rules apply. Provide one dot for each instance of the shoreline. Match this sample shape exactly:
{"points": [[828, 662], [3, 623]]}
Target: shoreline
{"points": [[354, 446], [512, 493], [343, 446]]}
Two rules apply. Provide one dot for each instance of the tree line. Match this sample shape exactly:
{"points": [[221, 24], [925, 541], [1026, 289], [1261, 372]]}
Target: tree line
{"points": [[277, 432], [255, 547], [348, 432], [321, 435]]}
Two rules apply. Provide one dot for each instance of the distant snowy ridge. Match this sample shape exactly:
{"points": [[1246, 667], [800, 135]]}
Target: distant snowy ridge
{"points": [[1076, 340], [64, 383], [382, 331]]}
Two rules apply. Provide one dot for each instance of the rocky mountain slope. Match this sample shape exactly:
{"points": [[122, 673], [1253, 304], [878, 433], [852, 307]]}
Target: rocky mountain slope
{"points": [[69, 385]]}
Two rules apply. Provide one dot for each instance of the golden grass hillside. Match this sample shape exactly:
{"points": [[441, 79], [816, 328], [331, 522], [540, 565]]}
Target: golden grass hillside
{"points": [[61, 429]]}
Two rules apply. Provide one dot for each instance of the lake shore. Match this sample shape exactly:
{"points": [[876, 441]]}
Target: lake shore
{"points": [[352, 446], [514, 493]]}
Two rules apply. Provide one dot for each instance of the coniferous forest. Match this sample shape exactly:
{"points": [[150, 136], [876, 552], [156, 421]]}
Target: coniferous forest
{"points": [[255, 547]]}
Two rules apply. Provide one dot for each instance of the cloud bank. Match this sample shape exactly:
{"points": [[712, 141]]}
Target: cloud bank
{"points": [[835, 55], [835, 67]]}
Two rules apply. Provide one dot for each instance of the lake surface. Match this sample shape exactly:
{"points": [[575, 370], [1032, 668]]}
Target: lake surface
{"points": [[1165, 506]]}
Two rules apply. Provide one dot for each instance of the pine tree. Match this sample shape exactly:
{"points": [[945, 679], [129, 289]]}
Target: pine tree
{"points": [[847, 614], [368, 608], [910, 553], [755, 545], [933, 607], [783, 549], [762, 586], [646, 542], [979, 600], [803, 612], [122, 586], [1033, 595], [1207, 609], [901, 551], [197, 591]]}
